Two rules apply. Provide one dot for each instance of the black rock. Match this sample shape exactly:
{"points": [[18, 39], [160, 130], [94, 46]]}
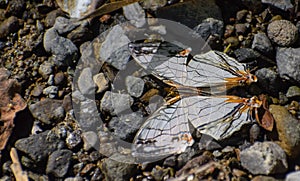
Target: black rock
{"points": [[190, 13], [262, 44], [38, 147], [246, 54], [48, 111], [269, 80], [125, 126], [118, 170], [59, 162]]}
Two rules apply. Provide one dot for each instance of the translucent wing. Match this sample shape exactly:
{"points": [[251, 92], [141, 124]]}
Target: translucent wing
{"points": [[211, 69], [218, 117], [165, 132]]}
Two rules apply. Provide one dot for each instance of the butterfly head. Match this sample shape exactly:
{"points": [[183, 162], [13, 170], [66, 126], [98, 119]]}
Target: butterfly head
{"points": [[250, 77]]}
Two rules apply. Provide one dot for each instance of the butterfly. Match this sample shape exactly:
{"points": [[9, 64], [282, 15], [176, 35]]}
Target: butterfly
{"points": [[200, 81]]}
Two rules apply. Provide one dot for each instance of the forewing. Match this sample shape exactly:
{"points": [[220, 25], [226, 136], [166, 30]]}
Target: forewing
{"points": [[211, 69], [215, 116], [164, 133], [161, 61]]}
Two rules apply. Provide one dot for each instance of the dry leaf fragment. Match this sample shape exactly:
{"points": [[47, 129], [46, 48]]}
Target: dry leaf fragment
{"points": [[10, 103]]}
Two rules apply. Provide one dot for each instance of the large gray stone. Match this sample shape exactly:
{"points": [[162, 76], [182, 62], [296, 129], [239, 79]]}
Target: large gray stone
{"points": [[59, 162], [288, 63], [264, 158], [39, 146]]}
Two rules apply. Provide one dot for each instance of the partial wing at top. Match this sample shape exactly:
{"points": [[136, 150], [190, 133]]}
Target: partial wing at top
{"points": [[212, 69]]}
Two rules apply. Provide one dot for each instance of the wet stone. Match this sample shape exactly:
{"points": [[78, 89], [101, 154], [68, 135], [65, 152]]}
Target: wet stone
{"points": [[282, 32], [63, 49], [210, 26], [114, 49], [281, 4], [293, 176], [262, 43], [125, 126], [134, 86], [264, 158], [288, 63], [90, 140], [115, 103], [38, 147], [8, 26], [135, 14], [59, 162], [51, 91], [118, 170], [293, 91], [288, 129], [85, 82], [48, 111]]}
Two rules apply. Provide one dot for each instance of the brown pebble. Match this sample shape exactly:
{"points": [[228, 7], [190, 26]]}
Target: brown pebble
{"points": [[10, 25], [59, 78]]}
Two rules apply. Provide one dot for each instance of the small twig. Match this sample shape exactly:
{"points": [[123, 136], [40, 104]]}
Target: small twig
{"points": [[16, 168]]}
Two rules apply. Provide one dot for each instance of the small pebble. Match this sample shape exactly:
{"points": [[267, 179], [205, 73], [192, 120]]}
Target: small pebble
{"points": [[116, 103], [101, 82], [293, 91], [10, 25], [51, 91], [135, 14], [134, 86], [90, 140], [85, 82], [283, 32], [262, 44], [45, 69], [59, 78]]}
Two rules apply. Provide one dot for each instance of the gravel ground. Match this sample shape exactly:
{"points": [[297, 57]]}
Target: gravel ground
{"points": [[70, 90]]}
